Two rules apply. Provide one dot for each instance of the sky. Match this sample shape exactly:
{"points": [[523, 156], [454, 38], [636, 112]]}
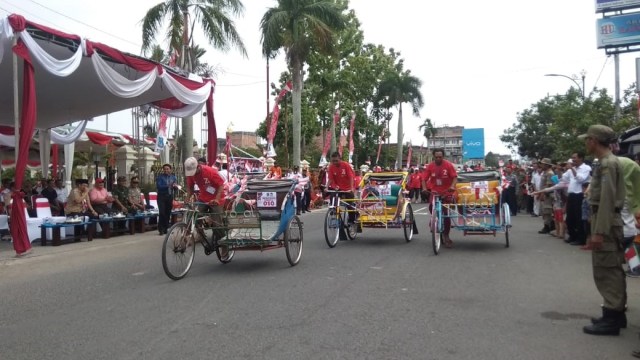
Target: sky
{"points": [[481, 62]]}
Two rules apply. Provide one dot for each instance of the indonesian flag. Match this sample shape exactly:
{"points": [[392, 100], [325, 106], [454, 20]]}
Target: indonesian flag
{"points": [[351, 128], [631, 255], [273, 127], [327, 140]]}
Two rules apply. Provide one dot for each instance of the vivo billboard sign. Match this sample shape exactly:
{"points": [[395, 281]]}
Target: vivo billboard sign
{"points": [[473, 144], [610, 5]]}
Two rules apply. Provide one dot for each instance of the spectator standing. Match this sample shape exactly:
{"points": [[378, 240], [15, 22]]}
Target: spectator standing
{"points": [[579, 173], [165, 183], [306, 186], [510, 195], [606, 197], [536, 181], [546, 199]]}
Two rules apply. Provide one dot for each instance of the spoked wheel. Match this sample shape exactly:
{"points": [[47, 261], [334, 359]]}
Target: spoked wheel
{"points": [[407, 223], [436, 236], [224, 254], [293, 241], [178, 252], [331, 227], [350, 229], [506, 222]]}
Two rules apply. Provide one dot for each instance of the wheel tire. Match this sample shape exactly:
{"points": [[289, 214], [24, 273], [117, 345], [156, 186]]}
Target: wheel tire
{"points": [[351, 230], [506, 237], [178, 251], [436, 236], [293, 241], [331, 228], [224, 259], [407, 223]]}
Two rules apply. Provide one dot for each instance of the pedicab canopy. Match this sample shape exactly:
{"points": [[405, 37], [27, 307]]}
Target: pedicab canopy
{"points": [[49, 78]]}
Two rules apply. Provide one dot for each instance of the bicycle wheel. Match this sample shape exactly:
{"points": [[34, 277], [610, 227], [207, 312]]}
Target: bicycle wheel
{"points": [[407, 223], [506, 222], [293, 241], [331, 227], [350, 229], [436, 236], [178, 252]]}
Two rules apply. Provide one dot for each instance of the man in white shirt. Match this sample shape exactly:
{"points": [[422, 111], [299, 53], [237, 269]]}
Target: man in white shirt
{"points": [[536, 181], [579, 174], [62, 191]]}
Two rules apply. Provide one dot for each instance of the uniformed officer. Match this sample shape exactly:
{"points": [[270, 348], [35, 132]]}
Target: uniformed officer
{"points": [[546, 198], [606, 199]]}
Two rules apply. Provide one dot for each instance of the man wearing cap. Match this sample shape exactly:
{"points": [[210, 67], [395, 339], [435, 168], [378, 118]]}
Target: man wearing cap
{"points": [[546, 200], [78, 202], [578, 173], [165, 183], [211, 193], [606, 199]]}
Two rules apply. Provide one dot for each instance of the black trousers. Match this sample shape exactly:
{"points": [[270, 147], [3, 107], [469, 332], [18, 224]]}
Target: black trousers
{"points": [[574, 218], [511, 199], [307, 199], [165, 204]]}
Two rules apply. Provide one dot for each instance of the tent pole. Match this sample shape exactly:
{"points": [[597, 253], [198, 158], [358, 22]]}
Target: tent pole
{"points": [[16, 103]]}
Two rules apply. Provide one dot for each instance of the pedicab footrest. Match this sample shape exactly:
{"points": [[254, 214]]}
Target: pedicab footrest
{"points": [[243, 222]]}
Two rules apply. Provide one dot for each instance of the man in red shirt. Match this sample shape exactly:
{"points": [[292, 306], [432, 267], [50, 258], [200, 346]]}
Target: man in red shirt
{"points": [[440, 177], [341, 178], [211, 192]]}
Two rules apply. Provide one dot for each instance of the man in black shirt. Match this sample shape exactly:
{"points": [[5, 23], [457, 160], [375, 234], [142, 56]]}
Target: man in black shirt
{"points": [[51, 194]]}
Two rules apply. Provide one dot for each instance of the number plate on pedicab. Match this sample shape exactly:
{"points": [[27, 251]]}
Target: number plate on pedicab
{"points": [[266, 199]]}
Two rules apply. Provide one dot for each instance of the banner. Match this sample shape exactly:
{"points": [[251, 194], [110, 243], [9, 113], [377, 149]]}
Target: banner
{"points": [[472, 144], [618, 31], [610, 5], [273, 126], [161, 138], [351, 128], [327, 140]]}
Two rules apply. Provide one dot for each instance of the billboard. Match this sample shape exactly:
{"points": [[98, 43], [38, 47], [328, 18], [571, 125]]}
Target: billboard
{"points": [[610, 5], [620, 30], [472, 144]]}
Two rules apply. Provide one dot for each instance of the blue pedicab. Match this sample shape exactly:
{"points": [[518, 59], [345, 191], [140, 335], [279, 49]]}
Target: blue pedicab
{"points": [[476, 208]]}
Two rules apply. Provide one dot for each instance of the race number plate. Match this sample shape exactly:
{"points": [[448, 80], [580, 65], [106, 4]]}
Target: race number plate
{"points": [[384, 190], [266, 199]]}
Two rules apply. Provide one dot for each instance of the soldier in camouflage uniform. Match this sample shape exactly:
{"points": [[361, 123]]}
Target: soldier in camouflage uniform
{"points": [[546, 198], [121, 196], [606, 199]]}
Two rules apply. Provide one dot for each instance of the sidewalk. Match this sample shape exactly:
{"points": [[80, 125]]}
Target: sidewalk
{"points": [[7, 254]]}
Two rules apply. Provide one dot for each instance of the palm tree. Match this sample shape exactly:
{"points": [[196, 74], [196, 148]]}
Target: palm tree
{"points": [[428, 131], [400, 87], [213, 17], [297, 26]]}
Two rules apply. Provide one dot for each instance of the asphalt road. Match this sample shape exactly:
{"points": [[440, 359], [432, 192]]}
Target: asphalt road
{"points": [[377, 297]]}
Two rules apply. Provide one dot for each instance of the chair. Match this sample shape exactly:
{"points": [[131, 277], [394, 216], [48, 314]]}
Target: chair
{"points": [[43, 210], [33, 224], [153, 199], [4, 226]]}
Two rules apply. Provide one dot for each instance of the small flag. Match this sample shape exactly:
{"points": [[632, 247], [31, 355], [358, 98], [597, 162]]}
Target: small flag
{"points": [[631, 255]]}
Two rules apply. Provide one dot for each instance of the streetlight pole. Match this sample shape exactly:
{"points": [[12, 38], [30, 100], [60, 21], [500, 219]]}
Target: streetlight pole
{"points": [[581, 88]]}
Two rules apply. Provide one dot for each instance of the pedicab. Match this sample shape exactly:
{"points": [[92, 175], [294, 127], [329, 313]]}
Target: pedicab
{"points": [[260, 217], [475, 208], [382, 202]]}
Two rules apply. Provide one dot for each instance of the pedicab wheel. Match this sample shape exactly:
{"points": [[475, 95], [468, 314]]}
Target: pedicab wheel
{"points": [[293, 241], [224, 254], [178, 252], [331, 227], [506, 222], [436, 236], [407, 223]]}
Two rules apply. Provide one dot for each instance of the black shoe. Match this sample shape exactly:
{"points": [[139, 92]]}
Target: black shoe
{"points": [[622, 320], [609, 324], [545, 230]]}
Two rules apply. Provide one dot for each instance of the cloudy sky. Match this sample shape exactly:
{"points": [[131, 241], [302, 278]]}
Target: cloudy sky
{"points": [[481, 62]]}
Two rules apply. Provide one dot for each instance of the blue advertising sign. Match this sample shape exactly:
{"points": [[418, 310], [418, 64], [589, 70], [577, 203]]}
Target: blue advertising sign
{"points": [[609, 5], [618, 30], [472, 144]]}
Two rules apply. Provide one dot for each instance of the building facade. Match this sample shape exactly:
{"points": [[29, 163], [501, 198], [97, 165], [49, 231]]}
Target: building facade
{"points": [[448, 138]]}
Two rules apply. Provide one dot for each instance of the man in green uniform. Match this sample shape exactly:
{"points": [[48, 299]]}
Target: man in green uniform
{"points": [[546, 198], [121, 196], [606, 199]]}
